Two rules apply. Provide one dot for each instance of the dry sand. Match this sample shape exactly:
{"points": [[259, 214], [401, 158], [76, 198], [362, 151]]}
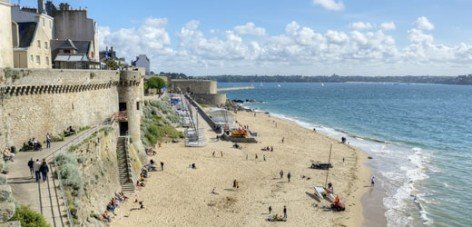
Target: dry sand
{"points": [[180, 196]]}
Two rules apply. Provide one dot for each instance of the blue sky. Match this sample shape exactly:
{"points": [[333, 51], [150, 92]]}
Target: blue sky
{"points": [[308, 37]]}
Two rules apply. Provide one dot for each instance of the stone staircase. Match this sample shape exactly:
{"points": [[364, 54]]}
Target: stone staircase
{"points": [[124, 165]]}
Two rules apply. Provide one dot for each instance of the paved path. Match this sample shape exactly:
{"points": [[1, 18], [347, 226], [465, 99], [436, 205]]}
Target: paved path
{"points": [[41, 196]]}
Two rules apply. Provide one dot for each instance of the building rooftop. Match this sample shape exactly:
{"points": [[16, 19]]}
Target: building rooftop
{"points": [[26, 33]]}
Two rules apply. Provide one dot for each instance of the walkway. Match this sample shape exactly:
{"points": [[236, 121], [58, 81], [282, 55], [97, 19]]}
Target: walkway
{"points": [[42, 197]]}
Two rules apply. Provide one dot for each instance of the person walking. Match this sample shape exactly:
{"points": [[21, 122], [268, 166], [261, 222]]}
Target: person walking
{"points": [[270, 209], [372, 181], [285, 212], [162, 166], [289, 176], [48, 140], [36, 167], [281, 174], [264, 158], [31, 167], [44, 169]]}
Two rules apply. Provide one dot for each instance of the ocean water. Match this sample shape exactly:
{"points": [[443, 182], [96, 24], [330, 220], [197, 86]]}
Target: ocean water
{"points": [[420, 136]]}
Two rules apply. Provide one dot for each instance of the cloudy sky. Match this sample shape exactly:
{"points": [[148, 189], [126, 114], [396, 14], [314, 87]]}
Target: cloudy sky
{"points": [[306, 37]]}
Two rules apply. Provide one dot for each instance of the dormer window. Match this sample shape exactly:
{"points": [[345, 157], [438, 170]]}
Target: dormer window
{"points": [[39, 44]]}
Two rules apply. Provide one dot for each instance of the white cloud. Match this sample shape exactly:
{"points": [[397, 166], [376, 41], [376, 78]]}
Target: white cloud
{"points": [[150, 38], [388, 26], [336, 37], [249, 29], [299, 49], [424, 24], [330, 4], [361, 25]]}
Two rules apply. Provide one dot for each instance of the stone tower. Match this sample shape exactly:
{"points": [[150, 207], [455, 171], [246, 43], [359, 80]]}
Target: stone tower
{"points": [[130, 92]]}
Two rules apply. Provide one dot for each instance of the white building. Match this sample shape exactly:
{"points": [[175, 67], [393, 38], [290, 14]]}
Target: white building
{"points": [[6, 48]]}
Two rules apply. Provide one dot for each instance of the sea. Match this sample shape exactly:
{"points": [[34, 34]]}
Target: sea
{"points": [[419, 136]]}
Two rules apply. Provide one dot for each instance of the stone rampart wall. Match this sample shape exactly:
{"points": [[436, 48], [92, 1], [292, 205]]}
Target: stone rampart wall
{"points": [[211, 99], [195, 86], [35, 102]]}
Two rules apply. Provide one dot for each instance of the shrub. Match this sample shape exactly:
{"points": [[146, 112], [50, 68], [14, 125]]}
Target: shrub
{"points": [[68, 167], [29, 218]]}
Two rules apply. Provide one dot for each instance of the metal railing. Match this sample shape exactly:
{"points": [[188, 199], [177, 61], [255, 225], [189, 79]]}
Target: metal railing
{"points": [[62, 149]]}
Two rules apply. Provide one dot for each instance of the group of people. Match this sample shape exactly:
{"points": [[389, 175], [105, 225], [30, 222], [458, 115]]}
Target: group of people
{"points": [[151, 166], [34, 144], [214, 154], [38, 169], [289, 175], [271, 148], [276, 217], [112, 205]]}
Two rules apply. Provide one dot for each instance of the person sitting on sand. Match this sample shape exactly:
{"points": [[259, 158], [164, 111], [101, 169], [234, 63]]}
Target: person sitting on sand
{"points": [[106, 216], [330, 188], [151, 166], [144, 172], [111, 207], [123, 196], [140, 182], [141, 205], [193, 166], [271, 148]]}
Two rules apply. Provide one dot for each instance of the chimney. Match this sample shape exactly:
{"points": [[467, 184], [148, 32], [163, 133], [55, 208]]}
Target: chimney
{"points": [[41, 7]]}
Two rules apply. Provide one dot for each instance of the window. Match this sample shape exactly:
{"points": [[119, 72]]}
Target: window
{"points": [[31, 58], [46, 45], [38, 59], [39, 43], [137, 105], [47, 60]]}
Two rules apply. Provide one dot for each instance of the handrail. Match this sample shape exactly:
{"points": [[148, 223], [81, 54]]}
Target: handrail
{"points": [[59, 151]]}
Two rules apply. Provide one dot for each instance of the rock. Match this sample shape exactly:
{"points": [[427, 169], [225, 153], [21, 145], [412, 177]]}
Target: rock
{"points": [[7, 210], [5, 193]]}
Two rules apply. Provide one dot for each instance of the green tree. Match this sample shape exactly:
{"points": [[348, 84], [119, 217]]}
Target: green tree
{"points": [[112, 64], [155, 83]]}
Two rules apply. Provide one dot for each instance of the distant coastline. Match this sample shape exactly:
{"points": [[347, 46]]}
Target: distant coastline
{"points": [[453, 80]]}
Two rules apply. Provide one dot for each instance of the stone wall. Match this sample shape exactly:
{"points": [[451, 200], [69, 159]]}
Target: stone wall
{"points": [[6, 44], [98, 167], [35, 102], [210, 99], [195, 86]]}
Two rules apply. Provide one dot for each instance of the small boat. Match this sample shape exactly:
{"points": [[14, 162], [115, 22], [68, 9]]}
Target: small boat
{"points": [[278, 85], [319, 165], [322, 84]]}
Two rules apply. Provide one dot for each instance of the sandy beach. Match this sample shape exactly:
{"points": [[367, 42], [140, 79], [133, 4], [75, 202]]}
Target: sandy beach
{"points": [[181, 196]]}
